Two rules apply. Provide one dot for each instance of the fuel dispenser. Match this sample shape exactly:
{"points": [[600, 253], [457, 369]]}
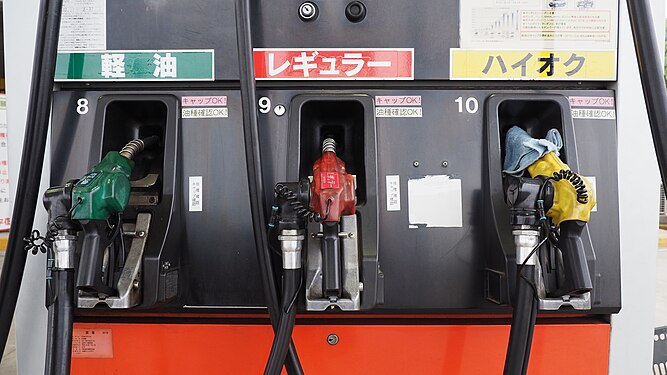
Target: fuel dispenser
{"points": [[94, 204], [548, 214], [352, 187]]}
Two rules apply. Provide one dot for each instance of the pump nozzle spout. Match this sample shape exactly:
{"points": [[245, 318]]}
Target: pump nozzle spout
{"points": [[329, 145], [130, 150]]}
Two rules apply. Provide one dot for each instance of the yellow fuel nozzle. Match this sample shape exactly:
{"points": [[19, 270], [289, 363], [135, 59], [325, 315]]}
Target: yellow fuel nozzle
{"points": [[573, 194]]}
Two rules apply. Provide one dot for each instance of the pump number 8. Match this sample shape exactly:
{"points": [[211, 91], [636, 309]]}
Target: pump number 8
{"points": [[82, 106], [471, 105]]}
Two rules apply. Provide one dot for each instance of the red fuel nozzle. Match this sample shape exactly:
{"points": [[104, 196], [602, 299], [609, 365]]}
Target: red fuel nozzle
{"points": [[332, 188]]}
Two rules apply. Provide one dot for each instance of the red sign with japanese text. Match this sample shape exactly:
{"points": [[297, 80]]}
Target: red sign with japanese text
{"points": [[334, 64]]}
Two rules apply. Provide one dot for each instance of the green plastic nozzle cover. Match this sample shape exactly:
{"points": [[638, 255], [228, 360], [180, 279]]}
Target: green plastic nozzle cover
{"points": [[105, 190]]}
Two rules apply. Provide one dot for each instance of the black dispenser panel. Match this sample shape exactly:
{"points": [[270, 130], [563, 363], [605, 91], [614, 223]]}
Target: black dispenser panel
{"points": [[419, 268]]}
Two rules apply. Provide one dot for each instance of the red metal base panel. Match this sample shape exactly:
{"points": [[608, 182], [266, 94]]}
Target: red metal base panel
{"points": [[558, 349]]}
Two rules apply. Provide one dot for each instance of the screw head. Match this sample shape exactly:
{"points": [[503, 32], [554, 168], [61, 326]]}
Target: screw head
{"points": [[307, 11], [444, 164], [135, 284], [415, 163], [332, 339]]}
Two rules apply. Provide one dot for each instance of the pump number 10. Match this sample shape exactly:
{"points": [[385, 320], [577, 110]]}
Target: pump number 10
{"points": [[471, 104]]}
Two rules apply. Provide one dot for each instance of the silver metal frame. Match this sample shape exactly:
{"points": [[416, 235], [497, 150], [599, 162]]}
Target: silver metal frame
{"points": [[352, 287], [129, 283], [581, 302]]}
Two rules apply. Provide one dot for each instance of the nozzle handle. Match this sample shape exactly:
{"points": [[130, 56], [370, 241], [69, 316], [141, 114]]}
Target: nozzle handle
{"points": [[95, 241], [577, 278]]}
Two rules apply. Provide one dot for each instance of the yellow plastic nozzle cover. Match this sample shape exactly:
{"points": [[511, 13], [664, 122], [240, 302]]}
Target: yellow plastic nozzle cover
{"points": [[566, 206]]}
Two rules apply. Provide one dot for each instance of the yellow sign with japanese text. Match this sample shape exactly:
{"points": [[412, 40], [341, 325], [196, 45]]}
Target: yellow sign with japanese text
{"points": [[532, 65]]}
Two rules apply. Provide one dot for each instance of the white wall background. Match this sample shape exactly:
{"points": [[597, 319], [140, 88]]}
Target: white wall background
{"points": [[20, 23], [631, 349]]}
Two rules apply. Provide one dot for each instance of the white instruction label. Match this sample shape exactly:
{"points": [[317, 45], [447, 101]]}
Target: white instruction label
{"points": [[398, 111], [595, 114], [393, 193], [83, 26], [589, 25], [196, 198], [591, 179], [207, 112], [435, 201], [591, 101]]}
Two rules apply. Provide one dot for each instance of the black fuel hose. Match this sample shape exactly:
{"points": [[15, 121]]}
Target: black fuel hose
{"points": [[32, 159], [523, 324], [64, 318], [254, 167], [282, 338], [50, 335]]}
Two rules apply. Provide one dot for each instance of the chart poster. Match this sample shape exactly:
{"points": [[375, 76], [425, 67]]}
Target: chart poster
{"points": [[584, 32]]}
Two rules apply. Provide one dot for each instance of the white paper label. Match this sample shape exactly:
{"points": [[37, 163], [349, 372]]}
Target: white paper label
{"points": [[591, 179], [539, 24], [206, 112], [83, 26], [196, 194], [398, 111], [393, 193], [435, 201], [591, 101], [595, 114]]}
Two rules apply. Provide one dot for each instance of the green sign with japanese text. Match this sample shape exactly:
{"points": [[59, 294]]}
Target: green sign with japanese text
{"points": [[153, 65]]}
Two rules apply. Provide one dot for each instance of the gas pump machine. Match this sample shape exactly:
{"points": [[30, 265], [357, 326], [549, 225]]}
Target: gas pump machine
{"points": [[335, 186]]}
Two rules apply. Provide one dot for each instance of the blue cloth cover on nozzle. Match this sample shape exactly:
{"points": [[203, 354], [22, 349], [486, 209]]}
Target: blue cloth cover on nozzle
{"points": [[522, 150]]}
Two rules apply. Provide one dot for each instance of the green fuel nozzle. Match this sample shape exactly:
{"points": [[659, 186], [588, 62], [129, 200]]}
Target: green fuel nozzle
{"points": [[96, 197], [105, 190]]}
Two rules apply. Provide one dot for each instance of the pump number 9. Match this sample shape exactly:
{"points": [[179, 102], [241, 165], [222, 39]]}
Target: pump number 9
{"points": [[471, 104], [264, 104]]}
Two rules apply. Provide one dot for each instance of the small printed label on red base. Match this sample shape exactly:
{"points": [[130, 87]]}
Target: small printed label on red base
{"points": [[329, 180], [92, 343]]}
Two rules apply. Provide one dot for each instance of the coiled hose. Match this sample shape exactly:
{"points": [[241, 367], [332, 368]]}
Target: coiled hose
{"points": [[576, 181]]}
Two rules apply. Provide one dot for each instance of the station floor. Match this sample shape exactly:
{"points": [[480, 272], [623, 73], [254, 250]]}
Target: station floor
{"points": [[8, 364]]}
